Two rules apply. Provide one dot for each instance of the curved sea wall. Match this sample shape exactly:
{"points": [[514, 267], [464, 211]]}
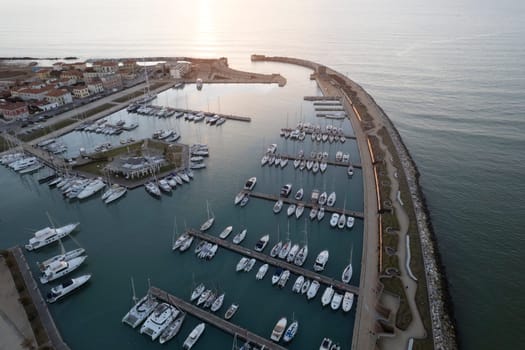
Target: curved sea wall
{"points": [[442, 323]]}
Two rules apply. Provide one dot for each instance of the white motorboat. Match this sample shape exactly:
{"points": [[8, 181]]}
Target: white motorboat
{"points": [[23, 163], [283, 278], [284, 162], [217, 303], [348, 300], [197, 292], [245, 200], [327, 295], [315, 167], [323, 165], [249, 265], [165, 186], [272, 148], [291, 331], [331, 199], [296, 162], [211, 219], [339, 156], [285, 249], [173, 329], [278, 206], [326, 344], [66, 256], [159, 320], [264, 159], [299, 210], [231, 311], [140, 311], [277, 275], [276, 249], [285, 190], [313, 213], [49, 235], [31, 168], [334, 219], [291, 209], [279, 329], [298, 284], [336, 301], [250, 184], [186, 244], [226, 232], [262, 272], [341, 222], [293, 252], [67, 287], [238, 238], [350, 221], [239, 197], [322, 198], [313, 289], [242, 264], [320, 214], [109, 191], [301, 256], [61, 268], [321, 260], [194, 336], [347, 273], [306, 286], [309, 164], [95, 186], [261, 244], [299, 194]]}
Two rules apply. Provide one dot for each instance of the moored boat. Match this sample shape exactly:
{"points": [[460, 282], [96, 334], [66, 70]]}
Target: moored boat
{"points": [[321, 260], [61, 268], [159, 320], [231, 311], [226, 232], [67, 287], [348, 300], [261, 244], [49, 235], [327, 295], [279, 329], [262, 272], [291, 331], [238, 238], [313, 289], [194, 336], [173, 329]]}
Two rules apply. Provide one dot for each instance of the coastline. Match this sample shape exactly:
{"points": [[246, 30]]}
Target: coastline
{"points": [[443, 329]]}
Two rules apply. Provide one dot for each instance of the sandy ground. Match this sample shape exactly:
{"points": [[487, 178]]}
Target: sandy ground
{"points": [[14, 326]]}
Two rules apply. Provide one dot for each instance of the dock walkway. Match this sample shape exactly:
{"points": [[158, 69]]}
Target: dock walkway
{"points": [[214, 320], [329, 162], [275, 198], [274, 262]]}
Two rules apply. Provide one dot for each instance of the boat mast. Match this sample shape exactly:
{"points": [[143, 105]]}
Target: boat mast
{"points": [[134, 298]]}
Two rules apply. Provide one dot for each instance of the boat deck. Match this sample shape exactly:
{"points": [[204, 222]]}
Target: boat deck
{"points": [[275, 262], [214, 320]]}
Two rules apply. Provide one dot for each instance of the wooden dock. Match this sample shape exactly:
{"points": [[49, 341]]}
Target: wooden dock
{"points": [[322, 98], [275, 198], [329, 162], [214, 320], [209, 114], [275, 262]]}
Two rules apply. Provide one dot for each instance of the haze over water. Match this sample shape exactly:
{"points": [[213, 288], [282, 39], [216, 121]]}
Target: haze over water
{"points": [[450, 74]]}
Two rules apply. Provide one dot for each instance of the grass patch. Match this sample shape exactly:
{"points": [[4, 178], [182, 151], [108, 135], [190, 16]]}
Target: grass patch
{"points": [[403, 315], [46, 130], [94, 111]]}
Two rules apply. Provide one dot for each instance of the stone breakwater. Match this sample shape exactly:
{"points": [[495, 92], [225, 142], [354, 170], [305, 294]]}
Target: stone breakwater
{"points": [[443, 325]]}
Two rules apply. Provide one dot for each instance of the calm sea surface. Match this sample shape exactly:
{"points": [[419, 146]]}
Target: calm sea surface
{"points": [[451, 75]]}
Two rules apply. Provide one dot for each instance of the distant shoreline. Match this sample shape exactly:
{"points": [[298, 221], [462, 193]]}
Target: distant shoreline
{"points": [[27, 58]]}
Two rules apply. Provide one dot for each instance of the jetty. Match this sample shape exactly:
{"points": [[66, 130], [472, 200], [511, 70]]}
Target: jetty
{"points": [[329, 162], [274, 198], [214, 320], [298, 270]]}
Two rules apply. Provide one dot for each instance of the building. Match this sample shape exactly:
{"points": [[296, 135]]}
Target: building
{"points": [[60, 96], [180, 69], [44, 105], [95, 87], [80, 91], [28, 94], [106, 67], [44, 73], [73, 74], [14, 110], [110, 82]]}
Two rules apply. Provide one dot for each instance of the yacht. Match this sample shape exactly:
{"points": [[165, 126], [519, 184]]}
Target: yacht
{"points": [[197, 292], [61, 257], [338, 156], [159, 320], [336, 301], [291, 209], [117, 193], [93, 187], [276, 249], [299, 194], [23, 163], [249, 265], [173, 329], [165, 186], [299, 210], [278, 206], [341, 222], [291, 331], [315, 167], [296, 162], [322, 198], [334, 219], [309, 164], [49, 235], [152, 188], [226, 232], [231, 311], [312, 290], [347, 274], [250, 184], [327, 295], [293, 252], [285, 190], [283, 278], [261, 244], [264, 159], [298, 284], [284, 162], [61, 268], [320, 214], [186, 244], [348, 300], [350, 221], [217, 303], [238, 238], [277, 275], [262, 272], [31, 168], [245, 200], [321, 261], [193, 336], [326, 344], [239, 197], [67, 287], [331, 199], [285, 249], [242, 264], [306, 286], [323, 165], [301, 256], [279, 329]]}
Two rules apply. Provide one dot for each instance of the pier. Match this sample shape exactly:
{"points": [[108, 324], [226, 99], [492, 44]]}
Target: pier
{"points": [[329, 162], [275, 198], [298, 270], [214, 320], [206, 114], [322, 98]]}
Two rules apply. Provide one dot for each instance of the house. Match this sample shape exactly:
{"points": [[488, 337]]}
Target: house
{"points": [[14, 110], [73, 74], [44, 73], [129, 65], [60, 96], [95, 87], [44, 105], [80, 91], [27, 94], [110, 82], [180, 69], [127, 74], [106, 67]]}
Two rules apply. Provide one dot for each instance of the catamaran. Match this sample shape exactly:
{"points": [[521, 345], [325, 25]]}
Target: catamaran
{"points": [[159, 320]]}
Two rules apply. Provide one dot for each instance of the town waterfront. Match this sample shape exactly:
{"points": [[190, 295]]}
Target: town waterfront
{"points": [[450, 75]]}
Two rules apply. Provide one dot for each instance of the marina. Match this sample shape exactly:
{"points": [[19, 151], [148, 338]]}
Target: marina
{"points": [[214, 320]]}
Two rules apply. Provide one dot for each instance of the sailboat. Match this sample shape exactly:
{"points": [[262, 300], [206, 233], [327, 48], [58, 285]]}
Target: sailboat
{"points": [[211, 219], [347, 273], [301, 256], [341, 222], [278, 246], [141, 309]]}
